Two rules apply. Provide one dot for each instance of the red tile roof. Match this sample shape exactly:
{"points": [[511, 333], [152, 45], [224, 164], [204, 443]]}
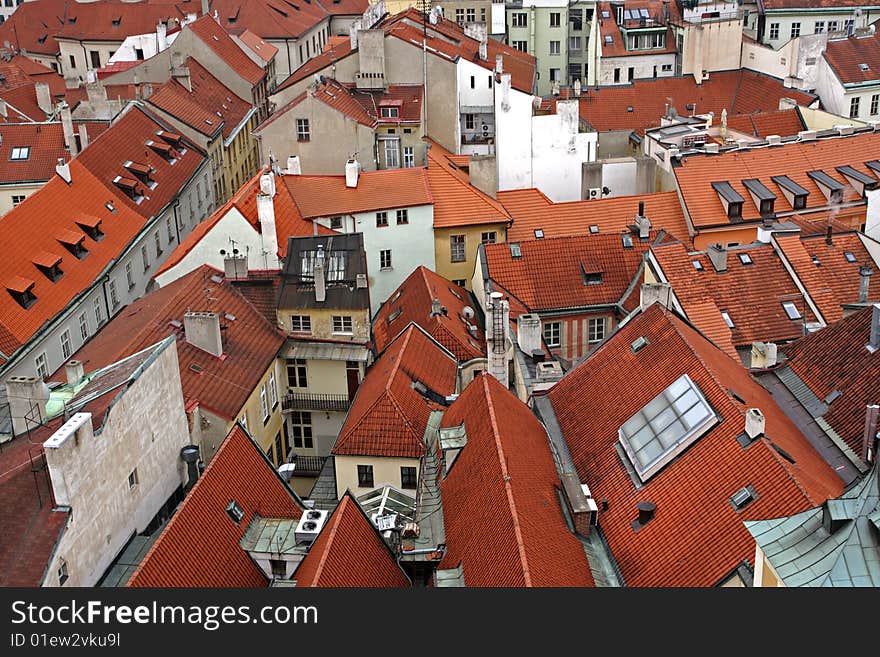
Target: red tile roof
{"points": [[835, 358], [324, 196], [388, 416], [855, 59], [199, 546], [696, 536], [413, 301], [262, 49], [784, 123], [501, 510], [345, 7], [350, 553], [810, 4], [531, 210], [108, 20], [551, 273], [608, 27], [221, 385], [739, 92], [752, 294], [225, 47], [269, 19], [456, 201], [33, 26], [46, 142], [18, 88]]}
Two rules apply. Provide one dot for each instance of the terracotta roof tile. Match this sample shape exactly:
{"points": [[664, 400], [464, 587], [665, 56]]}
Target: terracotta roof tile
{"points": [[261, 48], [350, 553], [46, 142], [113, 21], [388, 416], [855, 59], [608, 27], [270, 19], [501, 510], [199, 546], [345, 7], [783, 123], [225, 47], [696, 537]]}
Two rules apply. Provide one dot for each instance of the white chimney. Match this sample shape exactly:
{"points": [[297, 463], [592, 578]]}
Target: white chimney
{"points": [[293, 166], [499, 64], [75, 371], [351, 173], [268, 231], [497, 322], [267, 184], [717, 256], [528, 333], [651, 293], [755, 423], [874, 341], [27, 396], [64, 458], [62, 168], [83, 135], [763, 355], [44, 98], [67, 129], [161, 36], [319, 275], [577, 88], [4, 109], [205, 8], [235, 267], [202, 330], [353, 34]]}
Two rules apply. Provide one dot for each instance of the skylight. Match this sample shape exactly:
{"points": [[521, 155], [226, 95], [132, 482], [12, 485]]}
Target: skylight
{"points": [[849, 256], [539, 233], [666, 426], [727, 319], [697, 265], [594, 229], [864, 67], [607, 38], [746, 259], [606, 14], [791, 310], [515, 251], [19, 153]]}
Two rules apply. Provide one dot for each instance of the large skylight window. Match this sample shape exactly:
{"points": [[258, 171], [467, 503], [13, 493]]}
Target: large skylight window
{"points": [[20, 153], [791, 310], [727, 319], [666, 426]]}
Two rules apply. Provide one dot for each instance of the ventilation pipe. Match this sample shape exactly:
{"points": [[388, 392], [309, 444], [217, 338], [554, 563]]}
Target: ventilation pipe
{"points": [[190, 456]]}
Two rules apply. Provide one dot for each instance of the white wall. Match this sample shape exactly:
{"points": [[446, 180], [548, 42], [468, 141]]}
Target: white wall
{"points": [[643, 66]]}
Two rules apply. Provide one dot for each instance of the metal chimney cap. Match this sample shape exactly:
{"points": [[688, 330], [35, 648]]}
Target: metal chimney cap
{"points": [[190, 453], [646, 507]]}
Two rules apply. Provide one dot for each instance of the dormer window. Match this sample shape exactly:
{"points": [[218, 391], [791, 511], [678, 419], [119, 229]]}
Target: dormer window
{"points": [[860, 181], [19, 153], [730, 199], [763, 198], [389, 112], [590, 277], [129, 186], [163, 150], [794, 193], [117, 21], [73, 242], [49, 265], [831, 188], [22, 290], [142, 172]]}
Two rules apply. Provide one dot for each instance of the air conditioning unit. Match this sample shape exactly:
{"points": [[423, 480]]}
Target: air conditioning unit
{"points": [[591, 503], [310, 525], [387, 522], [595, 192], [361, 282]]}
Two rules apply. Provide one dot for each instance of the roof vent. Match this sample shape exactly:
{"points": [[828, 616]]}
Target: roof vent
{"points": [[646, 515], [638, 344], [741, 498], [755, 423], [235, 511]]}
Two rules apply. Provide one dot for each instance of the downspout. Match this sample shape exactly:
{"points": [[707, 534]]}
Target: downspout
{"points": [[176, 223], [86, 61]]}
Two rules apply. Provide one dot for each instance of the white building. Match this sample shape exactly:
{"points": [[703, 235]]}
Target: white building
{"points": [[848, 77]]}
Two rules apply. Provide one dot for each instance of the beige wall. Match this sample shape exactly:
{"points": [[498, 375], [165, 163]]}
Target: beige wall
{"points": [[240, 159], [8, 191], [82, 57], [816, 119], [385, 471], [322, 324], [264, 432], [712, 46], [765, 575], [473, 235]]}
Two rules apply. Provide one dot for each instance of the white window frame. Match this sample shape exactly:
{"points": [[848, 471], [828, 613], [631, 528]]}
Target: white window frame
{"points": [[552, 332], [41, 366], [66, 350], [385, 259], [409, 157], [339, 327], [84, 326], [596, 329], [273, 390], [264, 403]]}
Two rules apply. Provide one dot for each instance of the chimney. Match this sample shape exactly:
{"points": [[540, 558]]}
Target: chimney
{"points": [[67, 129], [202, 330], [62, 168], [182, 75], [190, 456], [293, 166], [484, 50], [865, 283], [874, 341], [499, 64], [351, 173], [235, 267], [206, 9], [755, 423], [642, 223], [83, 135], [869, 439], [763, 355], [27, 396], [528, 334], [4, 109], [96, 93], [828, 239], [353, 34], [651, 293], [44, 98], [268, 231], [577, 88], [497, 321], [718, 255], [435, 308], [64, 459], [161, 36], [267, 184], [75, 371], [646, 514], [319, 275]]}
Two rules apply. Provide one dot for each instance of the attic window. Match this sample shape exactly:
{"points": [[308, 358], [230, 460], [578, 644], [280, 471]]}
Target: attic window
{"points": [[395, 315], [49, 265], [19, 153], [849, 256], [456, 294], [129, 186], [590, 277], [92, 228], [666, 426], [816, 261], [697, 265], [727, 319], [117, 21], [594, 229], [833, 189], [794, 193], [515, 251], [627, 240], [162, 149], [141, 172], [746, 259], [791, 310], [235, 511], [73, 242], [763, 197], [539, 234], [638, 344], [863, 67], [21, 289], [608, 38], [743, 497], [730, 199]]}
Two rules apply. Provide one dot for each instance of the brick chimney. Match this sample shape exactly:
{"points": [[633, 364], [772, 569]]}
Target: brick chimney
{"points": [[763, 355], [83, 135], [235, 267], [202, 330], [161, 36], [651, 293], [64, 458], [27, 397], [642, 223]]}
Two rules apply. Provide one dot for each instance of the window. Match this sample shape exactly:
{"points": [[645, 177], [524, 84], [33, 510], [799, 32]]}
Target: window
{"points": [[336, 223], [522, 46], [554, 47], [129, 277], [157, 242], [554, 74], [72, 62], [99, 313], [488, 238], [574, 43], [297, 375], [875, 104], [301, 323], [301, 428], [264, 403], [774, 31], [470, 122], [385, 259], [234, 511], [95, 58], [617, 75], [133, 479], [19, 153], [791, 310], [854, 107], [850, 257], [515, 250], [832, 26], [666, 426], [145, 258], [552, 333], [471, 14], [381, 219], [630, 73], [576, 19], [456, 248], [40, 365], [519, 20], [392, 153], [83, 327], [666, 67], [848, 25], [402, 217], [170, 230], [365, 476], [389, 112], [554, 19], [459, 281], [342, 324], [62, 572], [727, 320], [697, 265], [409, 156], [596, 329], [65, 345], [302, 129], [459, 16], [16, 199], [273, 390], [408, 478], [795, 30], [746, 259], [819, 27]]}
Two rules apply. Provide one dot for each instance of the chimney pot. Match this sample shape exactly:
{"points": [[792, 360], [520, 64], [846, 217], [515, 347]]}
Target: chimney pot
{"points": [[755, 423], [646, 512], [190, 456], [75, 371], [641, 208], [828, 239]]}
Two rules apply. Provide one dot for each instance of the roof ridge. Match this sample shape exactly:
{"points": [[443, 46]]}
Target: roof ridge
{"points": [[788, 469], [337, 518]]}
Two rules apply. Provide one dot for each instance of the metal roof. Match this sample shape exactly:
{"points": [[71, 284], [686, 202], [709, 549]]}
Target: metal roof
{"points": [[329, 351]]}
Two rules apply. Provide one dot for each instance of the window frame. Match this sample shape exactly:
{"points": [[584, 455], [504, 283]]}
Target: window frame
{"points": [[548, 330], [457, 248], [365, 475], [343, 321]]}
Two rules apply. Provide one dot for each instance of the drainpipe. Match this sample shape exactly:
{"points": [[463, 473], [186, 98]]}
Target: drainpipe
{"points": [[176, 224]]}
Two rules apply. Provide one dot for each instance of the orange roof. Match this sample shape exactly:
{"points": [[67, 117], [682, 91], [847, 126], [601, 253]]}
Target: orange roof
{"points": [[225, 47], [696, 537], [697, 173], [531, 210], [388, 416], [110, 20], [350, 553], [752, 293], [46, 142], [856, 59], [785, 123], [223, 385], [262, 49], [412, 302], [334, 41], [201, 533], [456, 201], [34, 27], [324, 196], [616, 47], [502, 514], [272, 19]]}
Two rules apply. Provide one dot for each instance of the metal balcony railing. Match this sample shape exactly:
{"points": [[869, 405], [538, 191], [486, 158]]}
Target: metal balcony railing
{"points": [[307, 466], [307, 401]]}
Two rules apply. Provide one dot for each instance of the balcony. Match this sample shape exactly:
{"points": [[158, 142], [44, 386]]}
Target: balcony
{"points": [[306, 401], [307, 466]]}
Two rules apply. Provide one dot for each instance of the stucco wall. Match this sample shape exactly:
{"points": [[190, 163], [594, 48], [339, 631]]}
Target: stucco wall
{"points": [[385, 471]]}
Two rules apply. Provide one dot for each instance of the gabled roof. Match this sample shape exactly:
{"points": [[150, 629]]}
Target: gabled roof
{"points": [[696, 536], [20, 76], [34, 27], [350, 553], [388, 416], [835, 360], [856, 59], [199, 546], [502, 514], [412, 302], [532, 210], [784, 123], [225, 47], [46, 144], [221, 385], [271, 19], [456, 201], [261, 48]]}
